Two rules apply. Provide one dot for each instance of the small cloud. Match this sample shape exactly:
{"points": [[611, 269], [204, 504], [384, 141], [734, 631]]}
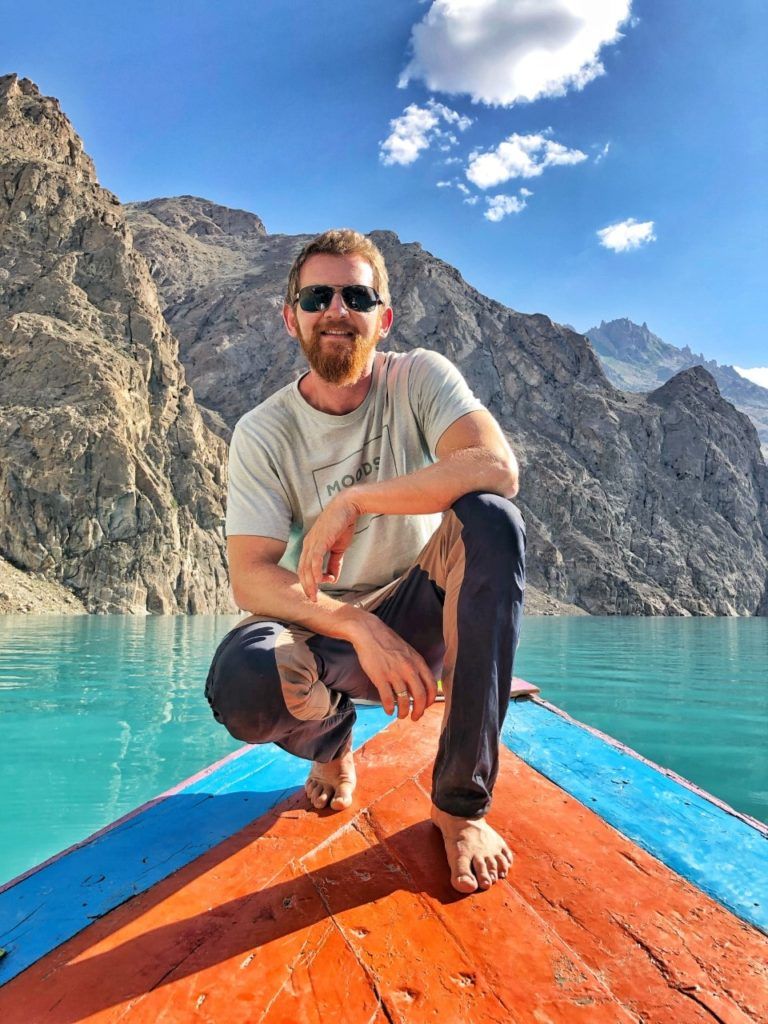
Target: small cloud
{"points": [[416, 129], [627, 234], [502, 52], [444, 184], [519, 156], [462, 188], [757, 374], [452, 160], [472, 200], [603, 153], [501, 206]]}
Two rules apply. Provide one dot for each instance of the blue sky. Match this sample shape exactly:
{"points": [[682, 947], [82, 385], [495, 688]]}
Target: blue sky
{"points": [[644, 120]]}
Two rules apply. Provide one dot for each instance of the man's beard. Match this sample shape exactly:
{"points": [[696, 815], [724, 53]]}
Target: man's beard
{"points": [[342, 361]]}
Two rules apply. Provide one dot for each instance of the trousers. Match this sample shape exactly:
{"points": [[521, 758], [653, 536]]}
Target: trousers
{"points": [[459, 605]]}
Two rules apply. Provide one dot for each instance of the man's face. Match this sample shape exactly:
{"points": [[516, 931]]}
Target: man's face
{"points": [[338, 342]]}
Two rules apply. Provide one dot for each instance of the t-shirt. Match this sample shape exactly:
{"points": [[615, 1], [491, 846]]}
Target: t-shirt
{"points": [[288, 460]]}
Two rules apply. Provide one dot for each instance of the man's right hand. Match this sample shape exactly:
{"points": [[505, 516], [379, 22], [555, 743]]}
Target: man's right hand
{"points": [[396, 669]]}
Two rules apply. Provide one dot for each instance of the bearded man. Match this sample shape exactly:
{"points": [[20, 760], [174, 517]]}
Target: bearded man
{"points": [[372, 539]]}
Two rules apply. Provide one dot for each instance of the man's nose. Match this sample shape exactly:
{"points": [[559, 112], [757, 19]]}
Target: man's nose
{"points": [[336, 306]]}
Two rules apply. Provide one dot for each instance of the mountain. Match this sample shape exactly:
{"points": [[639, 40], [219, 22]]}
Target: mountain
{"points": [[635, 504], [112, 432], [635, 359], [110, 483]]}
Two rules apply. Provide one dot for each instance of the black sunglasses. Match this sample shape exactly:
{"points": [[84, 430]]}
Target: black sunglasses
{"points": [[317, 297]]}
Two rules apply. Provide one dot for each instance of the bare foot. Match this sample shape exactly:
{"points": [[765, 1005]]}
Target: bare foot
{"points": [[477, 855], [333, 783]]}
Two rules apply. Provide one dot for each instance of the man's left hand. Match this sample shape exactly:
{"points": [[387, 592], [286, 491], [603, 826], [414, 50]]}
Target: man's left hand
{"points": [[331, 535]]}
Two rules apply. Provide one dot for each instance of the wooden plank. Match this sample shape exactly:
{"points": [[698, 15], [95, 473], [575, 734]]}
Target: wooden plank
{"points": [[238, 916], [350, 916], [720, 852], [668, 952], [47, 906]]}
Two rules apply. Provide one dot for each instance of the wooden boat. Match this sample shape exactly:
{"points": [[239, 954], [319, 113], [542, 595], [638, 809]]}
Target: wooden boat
{"points": [[634, 897]]}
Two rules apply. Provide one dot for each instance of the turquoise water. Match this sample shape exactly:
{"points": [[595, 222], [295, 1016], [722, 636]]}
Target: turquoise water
{"points": [[99, 714]]}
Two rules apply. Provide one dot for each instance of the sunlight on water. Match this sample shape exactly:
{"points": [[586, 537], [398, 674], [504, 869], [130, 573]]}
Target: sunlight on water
{"points": [[99, 714]]}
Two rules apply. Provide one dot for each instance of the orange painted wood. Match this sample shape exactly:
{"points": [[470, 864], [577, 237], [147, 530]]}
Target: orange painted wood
{"points": [[350, 917]]}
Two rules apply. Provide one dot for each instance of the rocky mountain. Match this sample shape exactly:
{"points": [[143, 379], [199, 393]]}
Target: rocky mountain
{"points": [[635, 503], [636, 359], [110, 483], [112, 486]]}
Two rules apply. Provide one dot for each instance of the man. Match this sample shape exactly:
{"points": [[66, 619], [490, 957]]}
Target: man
{"points": [[358, 588]]}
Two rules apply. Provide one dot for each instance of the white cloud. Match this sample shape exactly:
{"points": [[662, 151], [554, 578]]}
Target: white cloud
{"points": [[444, 184], [416, 129], [627, 234], [519, 156], [472, 200], [603, 153], [757, 374], [502, 52], [500, 206]]}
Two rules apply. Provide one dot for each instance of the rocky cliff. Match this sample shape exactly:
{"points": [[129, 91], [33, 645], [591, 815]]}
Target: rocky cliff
{"points": [[635, 504], [110, 483], [636, 359]]}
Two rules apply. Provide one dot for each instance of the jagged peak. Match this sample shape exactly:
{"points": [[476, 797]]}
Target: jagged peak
{"points": [[33, 128], [202, 217]]}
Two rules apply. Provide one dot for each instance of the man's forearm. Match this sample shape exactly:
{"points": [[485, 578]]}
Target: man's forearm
{"points": [[269, 591], [435, 488]]}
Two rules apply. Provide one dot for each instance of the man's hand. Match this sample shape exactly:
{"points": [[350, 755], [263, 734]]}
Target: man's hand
{"points": [[396, 669], [331, 535]]}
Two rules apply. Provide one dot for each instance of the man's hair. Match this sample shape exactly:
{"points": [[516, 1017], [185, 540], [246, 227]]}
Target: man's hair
{"points": [[341, 242]]}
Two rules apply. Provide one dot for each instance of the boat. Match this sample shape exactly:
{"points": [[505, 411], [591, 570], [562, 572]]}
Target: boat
{"points": [[634, 896]]}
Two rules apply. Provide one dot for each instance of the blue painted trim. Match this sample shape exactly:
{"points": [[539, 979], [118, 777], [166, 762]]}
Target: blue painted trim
{"points": [[720, 853], [63, 897]]}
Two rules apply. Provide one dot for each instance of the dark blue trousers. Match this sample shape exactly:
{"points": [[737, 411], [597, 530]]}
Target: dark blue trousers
{"points": [[460, 606]]}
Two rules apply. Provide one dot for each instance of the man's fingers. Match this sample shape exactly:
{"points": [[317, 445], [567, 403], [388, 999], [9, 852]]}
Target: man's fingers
{"points": [[430, 685], [333, 569], [403, 698], [419, 695]]}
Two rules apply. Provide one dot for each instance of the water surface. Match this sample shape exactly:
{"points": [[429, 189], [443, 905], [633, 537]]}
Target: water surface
{"points": [[99, 714]]}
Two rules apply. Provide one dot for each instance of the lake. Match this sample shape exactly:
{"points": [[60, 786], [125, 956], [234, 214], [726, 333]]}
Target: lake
{"points": [[99, 714]]}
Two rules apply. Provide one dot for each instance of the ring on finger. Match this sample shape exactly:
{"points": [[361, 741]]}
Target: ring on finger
{"points": [[401, 693]]}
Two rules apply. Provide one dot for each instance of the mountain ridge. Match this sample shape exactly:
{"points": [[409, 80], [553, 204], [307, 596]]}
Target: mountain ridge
{"points": [[127, 333], [636, 359], [577, 435]]}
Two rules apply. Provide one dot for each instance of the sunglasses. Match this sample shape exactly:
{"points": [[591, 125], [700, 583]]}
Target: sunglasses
{"points": [[316, 298]]}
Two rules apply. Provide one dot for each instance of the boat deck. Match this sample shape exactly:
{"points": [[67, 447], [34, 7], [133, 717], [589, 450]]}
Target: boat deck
{"points": [[349, 916]]}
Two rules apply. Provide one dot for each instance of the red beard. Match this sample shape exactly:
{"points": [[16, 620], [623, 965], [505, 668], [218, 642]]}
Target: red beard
{"points": [[342, 361]]}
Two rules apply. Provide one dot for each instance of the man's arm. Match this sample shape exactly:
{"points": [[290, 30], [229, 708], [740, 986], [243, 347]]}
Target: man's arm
{"points": [[473, 455], [267, 590]]}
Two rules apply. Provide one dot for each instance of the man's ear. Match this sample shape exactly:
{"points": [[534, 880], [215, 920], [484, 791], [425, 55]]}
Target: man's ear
{"points": [[386, 322], [289, 319]]}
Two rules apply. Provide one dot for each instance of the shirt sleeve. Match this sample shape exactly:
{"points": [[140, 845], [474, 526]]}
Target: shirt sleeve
{"points": [[438, 394], [257, 503]]}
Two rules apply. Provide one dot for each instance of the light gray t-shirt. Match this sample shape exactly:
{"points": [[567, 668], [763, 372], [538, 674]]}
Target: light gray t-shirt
{"points": [[287, 460]]}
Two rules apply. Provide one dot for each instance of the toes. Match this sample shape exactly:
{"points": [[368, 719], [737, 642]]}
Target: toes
{"points": [[343, 796], [503, 865], [492, 869], [481, 872], [463, 878], [317, 793]]}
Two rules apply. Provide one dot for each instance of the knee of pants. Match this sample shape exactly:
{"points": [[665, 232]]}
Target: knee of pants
{"points": [[244, 688], [491, 521]]}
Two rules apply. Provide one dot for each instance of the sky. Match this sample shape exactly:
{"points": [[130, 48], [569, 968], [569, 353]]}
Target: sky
{"points": [[586, 159]]}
